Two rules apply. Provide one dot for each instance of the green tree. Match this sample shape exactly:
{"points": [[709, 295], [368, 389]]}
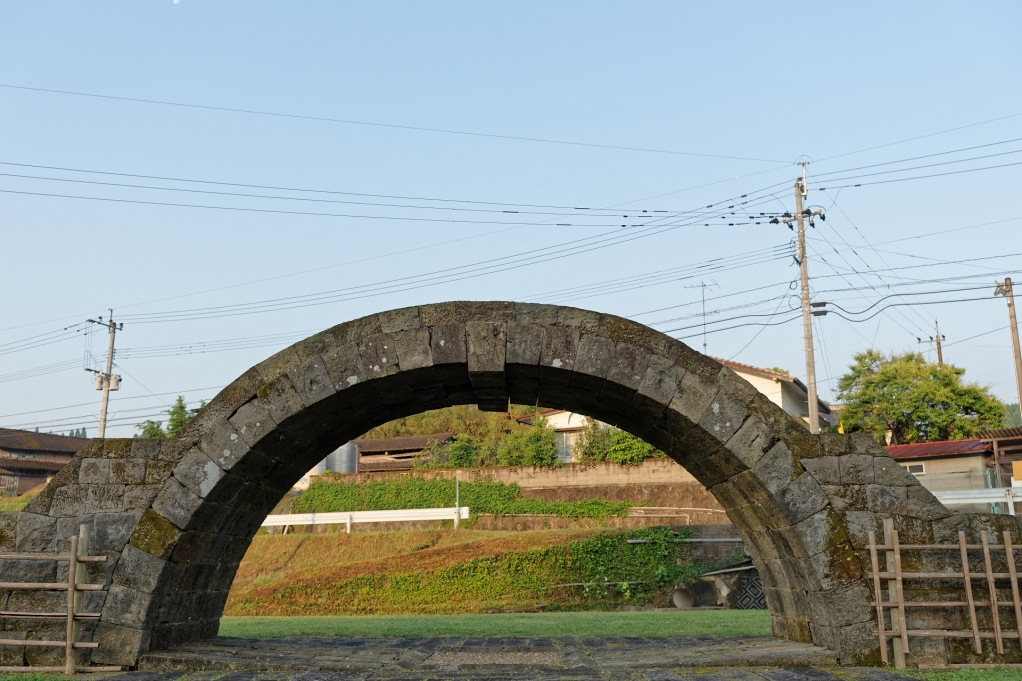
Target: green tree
{"points": [[1014, 419], [178, 416], [915, 400], [599, 442], [151, 430], [534, 446]]}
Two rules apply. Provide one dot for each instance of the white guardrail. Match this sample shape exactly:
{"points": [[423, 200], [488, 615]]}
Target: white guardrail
{"points": [[455, 513], [991, 495]]}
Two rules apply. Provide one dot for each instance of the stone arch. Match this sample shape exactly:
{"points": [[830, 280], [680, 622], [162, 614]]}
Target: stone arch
{"points": [[179, 514]]}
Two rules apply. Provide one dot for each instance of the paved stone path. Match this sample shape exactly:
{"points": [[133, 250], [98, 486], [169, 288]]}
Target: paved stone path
{"points": [[525, 659]]}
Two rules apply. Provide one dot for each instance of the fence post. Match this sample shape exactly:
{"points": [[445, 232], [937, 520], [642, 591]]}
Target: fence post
{"points": [[892, 595], [349, 521], [457, 502], [72, 578]]}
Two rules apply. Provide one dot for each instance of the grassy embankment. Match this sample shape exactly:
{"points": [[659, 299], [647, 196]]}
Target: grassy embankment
{"points": [[455, 572]]}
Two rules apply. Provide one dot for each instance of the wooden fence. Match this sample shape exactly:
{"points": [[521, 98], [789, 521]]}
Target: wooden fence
{"points": [[897, 604], [75, 585]]}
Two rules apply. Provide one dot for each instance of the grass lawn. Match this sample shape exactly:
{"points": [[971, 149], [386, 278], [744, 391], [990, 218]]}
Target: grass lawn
{"points": [[681, 623], [1002, 674]]}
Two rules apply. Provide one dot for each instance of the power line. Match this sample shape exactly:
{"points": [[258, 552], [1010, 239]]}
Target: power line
{"points": [[346, 121]]}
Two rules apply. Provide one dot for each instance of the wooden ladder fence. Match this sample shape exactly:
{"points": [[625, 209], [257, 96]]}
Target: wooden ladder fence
{"points": [[897, 604], [74, 586]]}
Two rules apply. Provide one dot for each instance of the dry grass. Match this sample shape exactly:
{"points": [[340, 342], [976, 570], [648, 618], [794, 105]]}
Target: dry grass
{"points": [[316, 563]]}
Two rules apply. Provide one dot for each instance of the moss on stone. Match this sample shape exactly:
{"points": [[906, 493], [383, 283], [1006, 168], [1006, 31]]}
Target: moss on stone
{"points": [[117, 448], [155, 535]]}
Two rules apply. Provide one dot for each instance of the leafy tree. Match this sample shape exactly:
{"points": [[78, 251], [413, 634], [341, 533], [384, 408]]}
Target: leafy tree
{"points": [[178, 416], [1014, 419], [915, 400], [463, 452], [535, 446], [151, 430], [486, 428], [600, 442]]}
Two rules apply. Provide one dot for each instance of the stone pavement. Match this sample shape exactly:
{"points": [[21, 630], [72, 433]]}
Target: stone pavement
{"points": [[526, 659]]}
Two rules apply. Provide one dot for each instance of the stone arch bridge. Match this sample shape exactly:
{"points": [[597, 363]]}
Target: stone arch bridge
{"points": [[178, 515]]}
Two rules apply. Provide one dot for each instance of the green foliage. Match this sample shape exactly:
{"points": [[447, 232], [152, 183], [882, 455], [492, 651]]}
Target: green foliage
{"points": [[600, 442], [779, 370], [484, 427], [534, 446], [1013, 419], [602, 570], [915, 400], [484, 496], [151, 430], [179, 417]]}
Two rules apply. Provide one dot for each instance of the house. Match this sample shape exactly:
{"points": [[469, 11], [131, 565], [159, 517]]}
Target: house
{"points": [[375, 455], [1007, 453], [786, 391], [789, 393], [947, 465], [30, 459], [566, 424]]}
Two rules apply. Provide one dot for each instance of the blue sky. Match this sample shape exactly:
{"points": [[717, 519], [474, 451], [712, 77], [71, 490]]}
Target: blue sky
{"points": [[745, 87]]}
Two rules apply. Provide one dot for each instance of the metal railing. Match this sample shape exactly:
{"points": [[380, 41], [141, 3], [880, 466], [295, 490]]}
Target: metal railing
{"points": [[991, 495], [349, 518], [74, 586]]}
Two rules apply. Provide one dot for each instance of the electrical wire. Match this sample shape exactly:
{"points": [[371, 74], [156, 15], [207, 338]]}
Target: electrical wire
{"points": [[325, 119]]}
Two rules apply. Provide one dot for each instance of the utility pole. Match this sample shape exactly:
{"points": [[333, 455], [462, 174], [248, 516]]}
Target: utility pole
{"points": [[807, 313], [1004, 288], [703, 285], [939, 339], [106, 381]]}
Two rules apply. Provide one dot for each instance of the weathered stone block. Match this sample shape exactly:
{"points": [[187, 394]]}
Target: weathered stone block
{"points": [[536, 313], [884, 499], [280, 398], [158, 472], [487, 348], [223, 445], [129, 471], [856, 469], [751, 440], [172, 449], [801, 498], [176, 503], [887, 472], [143, 448], [252, 422], [825, 469], [401, 319], [138, 570], [35, 533], [379, 356], [311, 380], [116, 447], [559, 347], [111, 531], [140, 497], [920, 503], [105, 498], [198, 473], [155, 535], [847, 497], [723, 418], [94, 472], [413, 349], [119, 645], [68, 501], [843, 606]]}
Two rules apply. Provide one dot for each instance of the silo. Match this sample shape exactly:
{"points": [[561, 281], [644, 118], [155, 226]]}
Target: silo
{"points": [[343, 459]]}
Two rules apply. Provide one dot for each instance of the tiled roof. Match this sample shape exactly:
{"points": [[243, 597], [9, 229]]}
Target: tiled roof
{"points": [[39, 442], [13, 464], [927, 450], [393, 445], [749, 369]]}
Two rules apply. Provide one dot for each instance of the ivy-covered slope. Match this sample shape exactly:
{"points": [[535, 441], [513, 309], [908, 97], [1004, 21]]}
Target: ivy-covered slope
{"points": [[563, 570]]}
